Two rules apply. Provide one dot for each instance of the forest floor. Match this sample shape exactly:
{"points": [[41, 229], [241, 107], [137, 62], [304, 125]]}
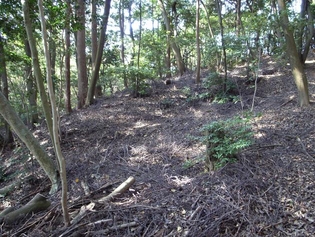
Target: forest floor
{"points": [[269, 191]]}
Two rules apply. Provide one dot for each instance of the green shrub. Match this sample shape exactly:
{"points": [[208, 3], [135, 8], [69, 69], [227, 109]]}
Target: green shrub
{"points": [[224, 139], [214, 83]]}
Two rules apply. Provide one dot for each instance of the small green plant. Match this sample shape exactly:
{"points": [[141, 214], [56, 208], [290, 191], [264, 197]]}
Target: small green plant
{"points": [[213, 79], [186, 91], [224, 139], [214, 83], [166, 103]]}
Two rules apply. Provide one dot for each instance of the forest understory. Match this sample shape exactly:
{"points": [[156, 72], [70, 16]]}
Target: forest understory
{"points": [[269, 191]]}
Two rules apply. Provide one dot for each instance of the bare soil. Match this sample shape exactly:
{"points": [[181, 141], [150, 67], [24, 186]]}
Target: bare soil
{"points": [[269, 191]]}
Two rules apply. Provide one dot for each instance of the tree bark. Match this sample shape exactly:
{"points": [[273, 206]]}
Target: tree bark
{"points": [[82, 73], [295, 63], [55, 138], [30, 141], [99, 54]]}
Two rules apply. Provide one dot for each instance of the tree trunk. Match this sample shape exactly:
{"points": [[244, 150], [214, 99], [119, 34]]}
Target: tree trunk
{"points": [[94, 32], [168, 61], [219, 4], [208, 19], [67, 60], [238, 18], [179, 60], [198, 42], [31, 88], [53, 55], [30, 141], [131, 33], [82, 73], [122, 39], [37, 71], [137, 89], [5, 89], [300, 29], [295, 63], [309, 33], [99, 54], [55, 138]]}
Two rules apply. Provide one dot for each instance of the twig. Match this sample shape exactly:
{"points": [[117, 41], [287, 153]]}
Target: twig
{"points": [[304, 148], [288, 101], [192, 216]]}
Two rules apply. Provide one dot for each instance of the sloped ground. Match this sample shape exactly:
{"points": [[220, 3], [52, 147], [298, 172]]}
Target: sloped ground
{"points": [[268, 192]]}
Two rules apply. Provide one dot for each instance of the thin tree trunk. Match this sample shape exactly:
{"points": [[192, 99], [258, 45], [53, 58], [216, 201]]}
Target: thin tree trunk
{"points": [[37, 71], [31, 88], [309, 33], [139, 49], [99, 54], [295, 63], [300, 29], [67, 60], [168, 61], [122, 38], [238, 18], [198, 42], [218, 2], [30, 141], [94, 32], [81, 57], [62, 163], [5, 89], [179, 60], [208, 19], [53, 55], [131, 33]]}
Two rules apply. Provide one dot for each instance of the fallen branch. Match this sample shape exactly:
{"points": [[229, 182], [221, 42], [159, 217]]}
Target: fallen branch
{"points": [[37, 204], [118, 191], [9, 188], [84, 209], [117, 227]]}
